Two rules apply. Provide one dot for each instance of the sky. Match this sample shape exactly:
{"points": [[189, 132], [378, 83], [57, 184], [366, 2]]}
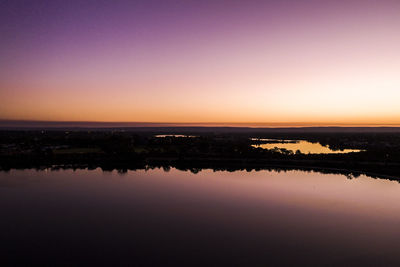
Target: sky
{"points": [[316, 62]]}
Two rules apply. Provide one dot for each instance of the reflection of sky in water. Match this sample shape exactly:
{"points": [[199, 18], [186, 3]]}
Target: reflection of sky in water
{"points": [[226, 218], [305, 147]]}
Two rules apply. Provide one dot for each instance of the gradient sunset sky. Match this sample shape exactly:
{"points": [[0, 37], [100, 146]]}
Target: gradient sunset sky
{"points": [[201, 61]]}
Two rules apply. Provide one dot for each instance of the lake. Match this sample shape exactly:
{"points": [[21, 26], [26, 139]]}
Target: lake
{"points": [[154, 217], [303, 146]]}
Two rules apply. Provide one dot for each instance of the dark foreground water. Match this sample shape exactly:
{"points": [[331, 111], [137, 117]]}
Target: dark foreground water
{"points": [[211, 218]]}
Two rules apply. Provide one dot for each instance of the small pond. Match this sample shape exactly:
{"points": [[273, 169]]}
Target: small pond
{"points": [[174, 135], [303, 146]]}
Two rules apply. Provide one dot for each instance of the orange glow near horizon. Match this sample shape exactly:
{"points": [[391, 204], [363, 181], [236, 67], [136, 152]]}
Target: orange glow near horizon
{"points": [[314, 64]]}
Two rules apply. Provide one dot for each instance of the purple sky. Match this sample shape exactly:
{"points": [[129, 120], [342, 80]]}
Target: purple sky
{"points": [[200, 61]]}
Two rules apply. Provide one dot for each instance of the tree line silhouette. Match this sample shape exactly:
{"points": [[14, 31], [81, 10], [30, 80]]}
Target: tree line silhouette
{"points": [[123, 150]]}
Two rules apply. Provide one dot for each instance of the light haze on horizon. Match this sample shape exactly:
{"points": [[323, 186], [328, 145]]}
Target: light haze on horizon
{"points": [[328, 62]]}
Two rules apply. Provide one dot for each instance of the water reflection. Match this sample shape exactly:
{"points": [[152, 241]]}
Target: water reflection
{"points": [[302, 146], [210, 218]]}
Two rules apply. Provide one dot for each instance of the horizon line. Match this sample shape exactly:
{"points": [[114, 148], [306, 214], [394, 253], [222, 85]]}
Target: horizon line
{"points": [[125, 124]]}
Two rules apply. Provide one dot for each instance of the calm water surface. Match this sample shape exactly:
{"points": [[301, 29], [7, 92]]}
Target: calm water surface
{"points": [[303, 146], [148, 218]]}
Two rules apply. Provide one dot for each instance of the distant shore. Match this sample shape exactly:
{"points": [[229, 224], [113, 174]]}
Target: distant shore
{"points": [[206, 148]]}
